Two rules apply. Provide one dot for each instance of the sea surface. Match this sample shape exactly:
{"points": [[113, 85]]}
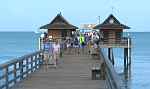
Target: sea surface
{"points": [[140, 68], [16, 44]]}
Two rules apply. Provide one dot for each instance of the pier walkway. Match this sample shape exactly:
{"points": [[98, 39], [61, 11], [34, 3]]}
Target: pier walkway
{"points": [[72, 72]]}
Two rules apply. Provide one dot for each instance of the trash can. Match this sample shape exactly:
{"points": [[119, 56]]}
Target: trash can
{"points": [[95, 72]]}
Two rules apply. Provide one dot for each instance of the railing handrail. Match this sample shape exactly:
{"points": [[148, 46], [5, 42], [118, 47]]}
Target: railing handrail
{"points": [[122, 38], [122, 42], [18, 59], [111, 73]]}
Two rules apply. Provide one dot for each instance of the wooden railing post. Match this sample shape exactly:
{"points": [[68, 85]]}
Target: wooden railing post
{"points": [[39, 58], [15, 72], [27, 66], [21, 69], [103, 68], [6, 77], [36, 61], [32, 69]]}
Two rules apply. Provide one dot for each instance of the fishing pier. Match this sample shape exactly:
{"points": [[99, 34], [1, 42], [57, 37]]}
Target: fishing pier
{"points": [[74, 71]]}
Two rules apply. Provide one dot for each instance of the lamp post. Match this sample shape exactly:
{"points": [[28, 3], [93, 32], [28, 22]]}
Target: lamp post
{"points": [[129, 49], [41, 41], [129, 55], [99, 19]]}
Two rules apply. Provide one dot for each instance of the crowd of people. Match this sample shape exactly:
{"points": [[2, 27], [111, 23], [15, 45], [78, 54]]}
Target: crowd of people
{"points": [[82, 41], [52, 49]]}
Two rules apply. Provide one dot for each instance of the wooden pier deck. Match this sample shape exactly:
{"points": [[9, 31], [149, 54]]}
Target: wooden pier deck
{"points": [[72, 72]]}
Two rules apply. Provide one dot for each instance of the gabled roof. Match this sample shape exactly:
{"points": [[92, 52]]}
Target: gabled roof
{"points": [[111, 23], [59, 22]]}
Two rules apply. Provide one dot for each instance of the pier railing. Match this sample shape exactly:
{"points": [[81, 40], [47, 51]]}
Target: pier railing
{"points": [[109, 72], [122, 42], [17, 69]]}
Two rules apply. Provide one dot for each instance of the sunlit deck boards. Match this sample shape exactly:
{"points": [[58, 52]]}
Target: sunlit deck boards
{"points": [[73, 72]]}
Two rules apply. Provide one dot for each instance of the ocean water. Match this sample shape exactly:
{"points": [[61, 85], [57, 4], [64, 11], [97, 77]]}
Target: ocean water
{"points": [[140, 78], [15, 44], [140, 68]]}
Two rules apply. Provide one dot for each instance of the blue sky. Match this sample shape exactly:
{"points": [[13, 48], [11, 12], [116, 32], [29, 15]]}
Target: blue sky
{"points": [[28, 15]]}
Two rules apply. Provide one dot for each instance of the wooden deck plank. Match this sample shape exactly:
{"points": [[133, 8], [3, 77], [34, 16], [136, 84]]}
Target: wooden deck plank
{"points": [[73, 72]]}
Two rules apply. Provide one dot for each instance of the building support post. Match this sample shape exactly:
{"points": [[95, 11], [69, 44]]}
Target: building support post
{"points": [[126, 62], [111, 55], [129, 57]]}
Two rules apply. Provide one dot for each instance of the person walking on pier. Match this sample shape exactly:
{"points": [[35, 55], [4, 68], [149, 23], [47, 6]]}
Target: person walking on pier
{"points": [[56, 53], [51, 48], [47, 50], [76, 45], [82, 42], [68, 46]]}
